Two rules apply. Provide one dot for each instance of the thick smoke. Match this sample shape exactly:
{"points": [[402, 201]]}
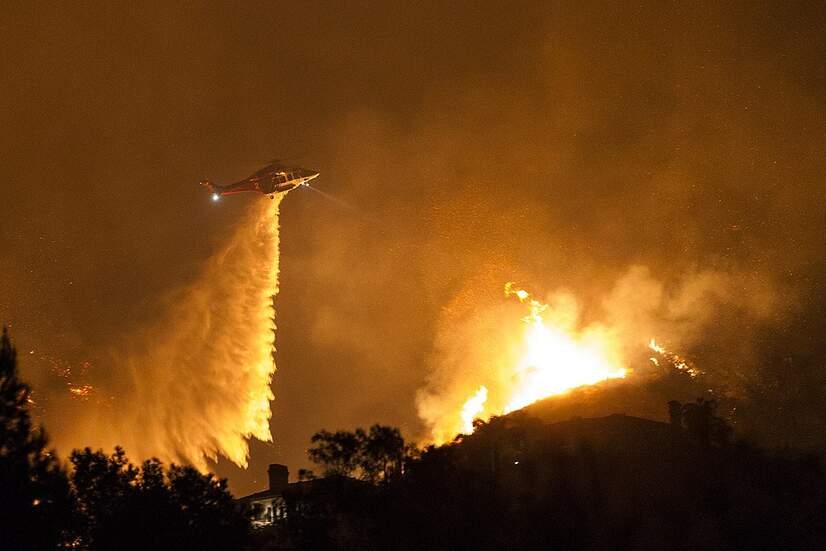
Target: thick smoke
{"points": [[197, 383]]}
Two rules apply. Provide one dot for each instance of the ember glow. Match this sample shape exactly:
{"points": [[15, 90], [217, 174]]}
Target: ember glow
{"points": [[81, 392]]}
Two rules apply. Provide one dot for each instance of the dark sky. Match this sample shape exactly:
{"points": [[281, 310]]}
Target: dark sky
{"points": [[470, 143]]}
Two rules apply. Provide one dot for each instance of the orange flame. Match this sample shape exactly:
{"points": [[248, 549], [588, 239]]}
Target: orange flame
{"points": [[553, 358], [675, 359], [474, 406]]}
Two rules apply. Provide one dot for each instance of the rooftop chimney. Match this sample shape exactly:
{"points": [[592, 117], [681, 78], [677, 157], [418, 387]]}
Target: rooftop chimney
{"points": [[279, 477]]}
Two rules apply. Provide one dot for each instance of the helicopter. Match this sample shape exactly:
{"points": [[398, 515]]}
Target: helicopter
{"points": [[273, 178]]}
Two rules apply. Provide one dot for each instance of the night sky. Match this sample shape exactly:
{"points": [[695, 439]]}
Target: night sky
{"points": [[466, 144]]}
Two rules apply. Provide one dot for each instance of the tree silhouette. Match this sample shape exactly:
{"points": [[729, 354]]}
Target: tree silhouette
{"points": [[35, 503], [700, 421], [337, 452], [697, 419], [375, 455], [148, 507], [103, 486], [382, 454], [207, 509], [675, 414]]}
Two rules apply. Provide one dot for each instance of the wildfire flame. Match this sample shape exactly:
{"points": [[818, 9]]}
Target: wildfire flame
{"points": [[553, 359], [655, 347], [482, 344], [473, 407], [675, 359]]}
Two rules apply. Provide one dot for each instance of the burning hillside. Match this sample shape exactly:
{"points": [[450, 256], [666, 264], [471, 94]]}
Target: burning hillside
{"points": [[524, 351]]}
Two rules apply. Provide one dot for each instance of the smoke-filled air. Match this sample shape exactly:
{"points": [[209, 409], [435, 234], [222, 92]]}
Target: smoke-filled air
{"points": [[196, 384]]}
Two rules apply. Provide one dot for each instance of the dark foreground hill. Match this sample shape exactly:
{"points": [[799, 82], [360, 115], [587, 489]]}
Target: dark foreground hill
{"points": [[614, 482]]}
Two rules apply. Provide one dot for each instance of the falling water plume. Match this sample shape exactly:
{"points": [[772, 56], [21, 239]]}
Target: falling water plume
{"points": [[197, 384]]}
